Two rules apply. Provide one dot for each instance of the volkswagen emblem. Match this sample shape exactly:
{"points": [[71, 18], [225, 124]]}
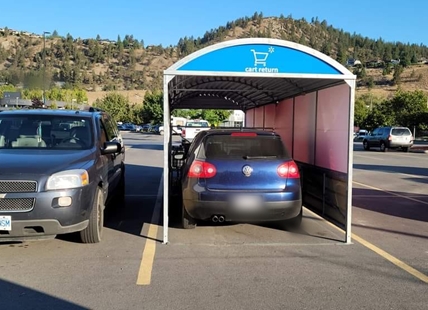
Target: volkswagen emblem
{"points": [[247, 170]]}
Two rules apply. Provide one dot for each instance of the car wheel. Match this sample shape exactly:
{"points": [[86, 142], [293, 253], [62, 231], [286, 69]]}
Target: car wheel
{"points": [[383, 147], [93, 233], [366, 146], [187, 221], [405, 149]]}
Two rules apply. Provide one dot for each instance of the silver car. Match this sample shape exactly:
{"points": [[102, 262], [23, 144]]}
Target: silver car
{"points": [[386, 138]]}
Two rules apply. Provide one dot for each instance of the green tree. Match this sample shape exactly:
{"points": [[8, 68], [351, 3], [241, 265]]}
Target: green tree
{"points": [[396, 79], [152, 110], [408, 106], [116, 105]]}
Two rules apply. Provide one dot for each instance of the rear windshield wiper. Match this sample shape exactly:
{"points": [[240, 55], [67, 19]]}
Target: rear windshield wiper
{"points": [[259, 157]]}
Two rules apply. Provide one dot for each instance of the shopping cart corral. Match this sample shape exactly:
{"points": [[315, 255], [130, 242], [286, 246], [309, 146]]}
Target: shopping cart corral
{"points": [[178, 153]]}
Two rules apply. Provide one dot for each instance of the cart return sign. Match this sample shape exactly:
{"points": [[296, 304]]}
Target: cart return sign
{"points": [[258, 58]]}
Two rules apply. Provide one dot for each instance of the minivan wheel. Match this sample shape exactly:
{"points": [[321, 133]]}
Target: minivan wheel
{"points": [[366, 146], [187, 221], [94, 231], [383, 147]]}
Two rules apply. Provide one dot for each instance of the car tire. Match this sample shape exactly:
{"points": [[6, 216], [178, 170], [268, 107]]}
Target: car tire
{"points": [[186, 220], [366, 145], [383, 147], [94, 231], [405, 149]]}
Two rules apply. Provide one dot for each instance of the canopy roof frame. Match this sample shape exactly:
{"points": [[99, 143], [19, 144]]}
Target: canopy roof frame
{"points": [[183, 89]]}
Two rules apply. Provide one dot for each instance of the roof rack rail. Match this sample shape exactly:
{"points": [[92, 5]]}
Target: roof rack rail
{"points": [[245, 128]]}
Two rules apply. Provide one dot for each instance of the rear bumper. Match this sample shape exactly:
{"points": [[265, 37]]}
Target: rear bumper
{"points": [[275, 206], [399, 144]]}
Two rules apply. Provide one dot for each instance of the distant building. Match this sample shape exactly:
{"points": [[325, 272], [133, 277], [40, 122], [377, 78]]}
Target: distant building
{"points": [[236, 119], [10, 98]]}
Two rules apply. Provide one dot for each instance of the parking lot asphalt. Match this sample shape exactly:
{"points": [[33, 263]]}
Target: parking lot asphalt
{"points": [[239, 266]]}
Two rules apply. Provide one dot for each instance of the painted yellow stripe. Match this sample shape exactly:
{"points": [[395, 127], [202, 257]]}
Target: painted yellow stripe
{"points": [[392, 259], [380, 252], [391, 193], [146, 266]]}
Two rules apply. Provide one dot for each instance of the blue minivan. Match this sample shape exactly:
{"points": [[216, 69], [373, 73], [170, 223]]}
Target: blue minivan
{"points": [[240, 175]]}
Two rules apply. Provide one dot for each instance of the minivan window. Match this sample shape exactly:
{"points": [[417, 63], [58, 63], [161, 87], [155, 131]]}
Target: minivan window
{"points": [[400, 132], [218, 146]]}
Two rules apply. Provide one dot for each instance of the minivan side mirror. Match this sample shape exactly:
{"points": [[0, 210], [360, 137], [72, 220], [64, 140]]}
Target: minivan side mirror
{"points": [[111, 148]]}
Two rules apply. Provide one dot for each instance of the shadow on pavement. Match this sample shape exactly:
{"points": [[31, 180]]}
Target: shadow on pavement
{"points": [[393, 169], [142, 185], [414, 207], [21, 297]]}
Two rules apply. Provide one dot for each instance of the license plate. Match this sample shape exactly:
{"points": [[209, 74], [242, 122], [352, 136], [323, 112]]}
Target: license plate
{"points": [[5, 222], [247, 202]]}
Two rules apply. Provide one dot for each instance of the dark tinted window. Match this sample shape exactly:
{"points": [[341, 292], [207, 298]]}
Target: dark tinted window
{"points": [[400, 132], [216, 146]]}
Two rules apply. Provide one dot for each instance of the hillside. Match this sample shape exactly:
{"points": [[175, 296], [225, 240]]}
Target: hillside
{"points": [[128, 66]]}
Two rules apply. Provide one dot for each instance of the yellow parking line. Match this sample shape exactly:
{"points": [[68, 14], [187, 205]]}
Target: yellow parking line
{"points": [[392, 259], [146, 265], [379, 251], [391, 193]]}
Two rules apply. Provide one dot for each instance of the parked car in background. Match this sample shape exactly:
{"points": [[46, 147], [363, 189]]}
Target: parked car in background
{"points": [[192, 128], [240, 175], [60, 168], [386, 138], [146, 128]]}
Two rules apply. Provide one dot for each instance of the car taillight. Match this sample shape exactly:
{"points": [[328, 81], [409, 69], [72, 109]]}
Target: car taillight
{"points": [[183, 132], [288, 170], [389, 138], [202, 170]]}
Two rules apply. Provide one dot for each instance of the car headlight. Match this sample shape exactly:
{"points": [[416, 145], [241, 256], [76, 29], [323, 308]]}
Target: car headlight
{"points": [[68, 179]]}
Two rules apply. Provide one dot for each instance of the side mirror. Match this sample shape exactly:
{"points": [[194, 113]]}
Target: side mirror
{"points": [[111, 148]]}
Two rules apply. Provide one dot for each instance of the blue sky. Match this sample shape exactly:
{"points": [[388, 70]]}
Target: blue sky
{"points": [[166, 21]]}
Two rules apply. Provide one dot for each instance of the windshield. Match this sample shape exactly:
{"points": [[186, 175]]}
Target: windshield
{"points": [[45, 132]]}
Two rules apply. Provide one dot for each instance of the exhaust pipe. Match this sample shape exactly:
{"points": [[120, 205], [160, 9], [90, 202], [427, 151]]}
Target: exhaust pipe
{"points": [[215, 219], [221, 219]]}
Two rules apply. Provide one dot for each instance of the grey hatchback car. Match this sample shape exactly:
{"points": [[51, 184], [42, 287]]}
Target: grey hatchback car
{"points": [[391, 137], [58, 170]]}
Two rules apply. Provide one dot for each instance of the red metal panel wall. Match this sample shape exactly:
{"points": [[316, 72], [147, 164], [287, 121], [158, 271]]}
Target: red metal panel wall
{"points": [[270, 115], [304, 128], [332, 128], [249, 118], [259, 117], [284, 122]]}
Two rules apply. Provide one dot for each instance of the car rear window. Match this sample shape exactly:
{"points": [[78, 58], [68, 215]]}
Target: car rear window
{"points": [[401, 132], [257, 147], [197, 124]]}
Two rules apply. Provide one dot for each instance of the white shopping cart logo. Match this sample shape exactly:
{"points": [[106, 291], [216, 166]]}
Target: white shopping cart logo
{"points": [[260, 61], [260, 58]]}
